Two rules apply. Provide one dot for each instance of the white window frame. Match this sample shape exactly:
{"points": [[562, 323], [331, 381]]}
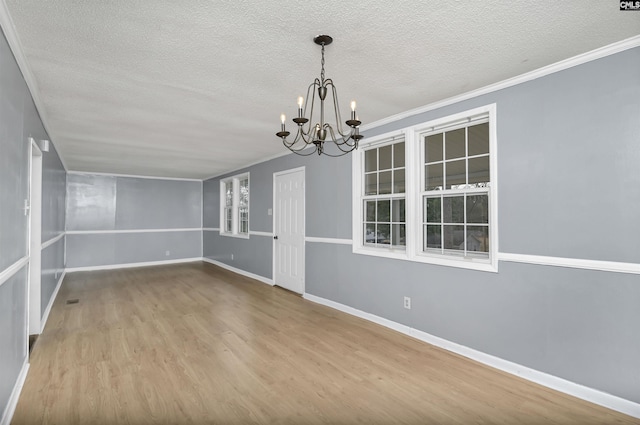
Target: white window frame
{"points": [[414, 175], [235, 206]]}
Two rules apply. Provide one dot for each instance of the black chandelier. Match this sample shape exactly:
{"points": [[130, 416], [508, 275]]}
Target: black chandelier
{"points": [[315, 134]]}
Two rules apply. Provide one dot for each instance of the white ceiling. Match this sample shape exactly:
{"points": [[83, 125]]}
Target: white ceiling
{"points": [[194, 88]]}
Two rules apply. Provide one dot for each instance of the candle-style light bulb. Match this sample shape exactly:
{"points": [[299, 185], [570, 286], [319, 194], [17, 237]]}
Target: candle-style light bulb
{"points": [[353, 109], [300, 103], [283, 118]]}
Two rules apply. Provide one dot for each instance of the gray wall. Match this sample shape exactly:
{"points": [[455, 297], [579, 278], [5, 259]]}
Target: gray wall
{"points": [[567, 165], [19, 120], [118, 204]]}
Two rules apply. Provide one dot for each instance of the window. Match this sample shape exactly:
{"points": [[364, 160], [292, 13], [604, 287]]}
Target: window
{"points": [[384, 196], [428, 193], [234, 206], [455, 191]]}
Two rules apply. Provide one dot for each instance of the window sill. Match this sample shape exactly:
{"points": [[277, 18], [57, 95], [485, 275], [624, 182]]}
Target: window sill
{"points": [[235, 235], [461, 263]]}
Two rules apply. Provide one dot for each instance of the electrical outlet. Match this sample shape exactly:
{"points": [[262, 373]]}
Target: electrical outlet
{"points": [[167, 253], [269, 211], [407, 303], [232, 256]]}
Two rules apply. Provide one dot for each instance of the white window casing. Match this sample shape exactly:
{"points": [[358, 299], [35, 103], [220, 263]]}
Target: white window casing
{"points": [[234, 206]]}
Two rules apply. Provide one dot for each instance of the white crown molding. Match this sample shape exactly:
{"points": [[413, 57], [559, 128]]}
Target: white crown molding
{"points": [[15, 394], [7, 273], [132, 176], [592, 55], [589, 394], [575, 263], [45, 316], [132, 265], [52, 240], [235, 170], [239, 271], [9, 29], [336, 241], [101, 232]]}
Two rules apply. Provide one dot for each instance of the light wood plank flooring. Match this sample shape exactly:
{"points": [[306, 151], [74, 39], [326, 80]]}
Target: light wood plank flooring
{"points": [[197, 344]]}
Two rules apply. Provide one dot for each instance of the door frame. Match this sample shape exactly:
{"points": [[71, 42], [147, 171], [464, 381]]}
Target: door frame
{"points": [[304, 224], [34, 241]]}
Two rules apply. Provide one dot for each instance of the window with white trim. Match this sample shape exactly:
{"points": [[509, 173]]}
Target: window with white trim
{"points": [[427, 193], [455, 191], [234, 206]]}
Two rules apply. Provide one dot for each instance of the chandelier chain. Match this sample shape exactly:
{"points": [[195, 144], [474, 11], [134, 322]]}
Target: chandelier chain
{"points": [[322, 62]]}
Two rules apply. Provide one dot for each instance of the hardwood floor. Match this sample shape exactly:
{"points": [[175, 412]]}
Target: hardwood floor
{"points": [[197, 344]]}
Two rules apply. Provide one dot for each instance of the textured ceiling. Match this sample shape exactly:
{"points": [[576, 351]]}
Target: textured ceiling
{"points": [[193, 88]]}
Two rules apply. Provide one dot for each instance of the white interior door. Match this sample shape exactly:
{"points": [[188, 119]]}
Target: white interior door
{"points": [[288, 225]]}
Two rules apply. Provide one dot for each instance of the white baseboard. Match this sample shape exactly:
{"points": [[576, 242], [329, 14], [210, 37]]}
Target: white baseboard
{"points": [[239, 271], [580, 391], [131, 265], [45, 316], [15, 394]]}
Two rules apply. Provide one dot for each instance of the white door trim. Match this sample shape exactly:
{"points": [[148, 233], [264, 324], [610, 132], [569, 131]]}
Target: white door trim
{"points": [[304, 224], [34, 240]]}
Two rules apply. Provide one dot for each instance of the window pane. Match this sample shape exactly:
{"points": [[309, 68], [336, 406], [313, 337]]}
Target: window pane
{"points": [[371, 160], [398, 212], [384, 234], [371, 184], [398, 236], [455, 173], [454, 145], [244, 192], [433, 148], [370, 208], [479, 170], [453, 209], [478, 238], [433, 177], [398, 155], [385, 182], [229, 193], [453, 237], [477, 209], [398, 181], [385, 157], [370, 233], [384, 211], [433, 237], [478, 139], [432, 210]]}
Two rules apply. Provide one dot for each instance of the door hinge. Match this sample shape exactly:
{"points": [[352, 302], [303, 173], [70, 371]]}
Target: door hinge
{"points": [[27, 207]]}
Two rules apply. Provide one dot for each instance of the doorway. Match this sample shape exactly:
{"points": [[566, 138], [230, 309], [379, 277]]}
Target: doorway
{"points": [[34, 209], [289, 229]]}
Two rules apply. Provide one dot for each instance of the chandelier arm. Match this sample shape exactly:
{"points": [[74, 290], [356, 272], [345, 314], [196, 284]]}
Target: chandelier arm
{"points": [[311, 94], [336, 110], [298, 151], [350, 147], [341, 141], [300, 136]]}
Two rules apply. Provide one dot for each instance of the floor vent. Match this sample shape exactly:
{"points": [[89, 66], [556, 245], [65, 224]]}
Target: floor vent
{"points": [[73, 301]]}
